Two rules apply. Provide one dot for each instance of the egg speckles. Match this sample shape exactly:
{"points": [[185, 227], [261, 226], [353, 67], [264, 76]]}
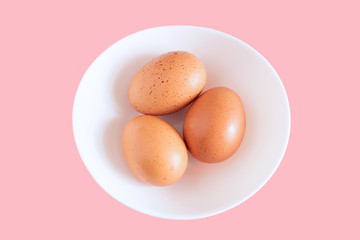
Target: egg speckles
{"points": [[167, 83], [154, 151]]}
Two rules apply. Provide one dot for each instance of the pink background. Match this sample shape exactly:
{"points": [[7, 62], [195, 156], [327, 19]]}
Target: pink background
{"points": [[46, 191]]}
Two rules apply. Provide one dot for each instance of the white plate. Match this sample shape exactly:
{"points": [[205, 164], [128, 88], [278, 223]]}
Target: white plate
{"points": [[101, 110]]}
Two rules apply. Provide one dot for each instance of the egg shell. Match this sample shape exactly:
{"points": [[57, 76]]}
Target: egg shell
{"points": [[167, 83], [154, 151], [214, 126]]}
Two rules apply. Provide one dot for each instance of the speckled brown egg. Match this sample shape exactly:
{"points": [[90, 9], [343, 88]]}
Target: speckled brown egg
{"points": [[167, 83], [154, 150], [214, 126]]}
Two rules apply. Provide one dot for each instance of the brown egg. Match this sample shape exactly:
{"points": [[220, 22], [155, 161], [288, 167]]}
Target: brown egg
{"points": [[167, 83], [214, 126], [154, 150]]}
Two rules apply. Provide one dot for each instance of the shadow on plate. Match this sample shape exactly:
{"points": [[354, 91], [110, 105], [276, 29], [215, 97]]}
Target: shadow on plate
{"points": [[113, 131], [113, 147], [123, 81]]}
